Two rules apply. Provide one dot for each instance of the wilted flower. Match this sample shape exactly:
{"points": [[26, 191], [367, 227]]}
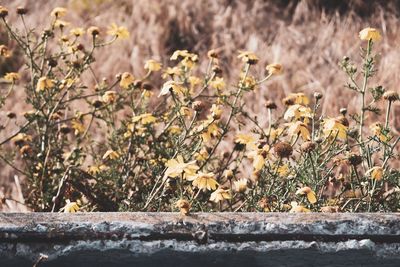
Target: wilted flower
{"points": [[370, 34], [391, 96], [375, 173], [283, 149], [4, 51], [248, 57], [220, 195], [59, 12], [309, 192], [3, 12], [240, 185], [183, 205], [274, 68]]}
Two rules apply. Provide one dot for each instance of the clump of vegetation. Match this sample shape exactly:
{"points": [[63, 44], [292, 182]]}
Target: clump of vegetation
{"points": [[120, 145]]}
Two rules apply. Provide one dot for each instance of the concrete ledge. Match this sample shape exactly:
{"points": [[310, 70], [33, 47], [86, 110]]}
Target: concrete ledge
{"points": [[201, 239]]}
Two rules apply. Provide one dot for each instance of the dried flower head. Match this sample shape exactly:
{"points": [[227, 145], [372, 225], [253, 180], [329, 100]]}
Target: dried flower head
{"points": [[183, 205], [274, 69], [3, 12], [93, 31], [354, 159], [4, 51], [22, 10], [307, 146], [391, 96], [270, 104], [240, 185], [283, 149]]}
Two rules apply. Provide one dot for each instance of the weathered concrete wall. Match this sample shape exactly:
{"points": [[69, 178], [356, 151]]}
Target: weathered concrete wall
{"points": [[213, 239]]}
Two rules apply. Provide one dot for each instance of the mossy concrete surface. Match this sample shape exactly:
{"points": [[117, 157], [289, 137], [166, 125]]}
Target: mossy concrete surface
{"points": [[201, 239]]}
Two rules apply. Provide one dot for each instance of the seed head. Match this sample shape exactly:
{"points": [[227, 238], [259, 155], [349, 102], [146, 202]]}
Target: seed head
{"points": [[283, 150]]}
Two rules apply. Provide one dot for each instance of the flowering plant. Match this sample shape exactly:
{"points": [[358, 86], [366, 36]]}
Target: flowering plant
{"points": [[119, 145]]}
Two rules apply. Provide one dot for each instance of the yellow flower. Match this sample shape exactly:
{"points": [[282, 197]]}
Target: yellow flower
{"points": [[248, 57], [59, 12], [177, 167], [110, 154], [298, 208], [332, 127], [152, 65], [12, 77], [240, 185], [194, 81], [118, 31], [109, 97], [370, 34], [202, 155], [204, 181], [127, 80], [77, 32], [377, 130], [274, 68], [258, 155], [208, 130], [296, 112], [375, 173], [21, 138], [244, 139], [275, 133], [146, 118], [220, 195], [179, 53], [218, 83], [190, 58], [171, 72], [299, 128], [4, 51], [174, 129], [61, 24], [299, 98], [44, 83], [183, 205], [70, 207], [78, 127], [216, 112], [173, 86], [310, 194], [95, 169]]}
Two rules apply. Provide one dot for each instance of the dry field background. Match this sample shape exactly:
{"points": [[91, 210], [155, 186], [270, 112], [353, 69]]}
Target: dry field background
{"points": [[308, 37]]}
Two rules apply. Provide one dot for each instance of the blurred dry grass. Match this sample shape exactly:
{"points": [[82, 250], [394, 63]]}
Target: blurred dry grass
{"points": [[308, 37]]}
